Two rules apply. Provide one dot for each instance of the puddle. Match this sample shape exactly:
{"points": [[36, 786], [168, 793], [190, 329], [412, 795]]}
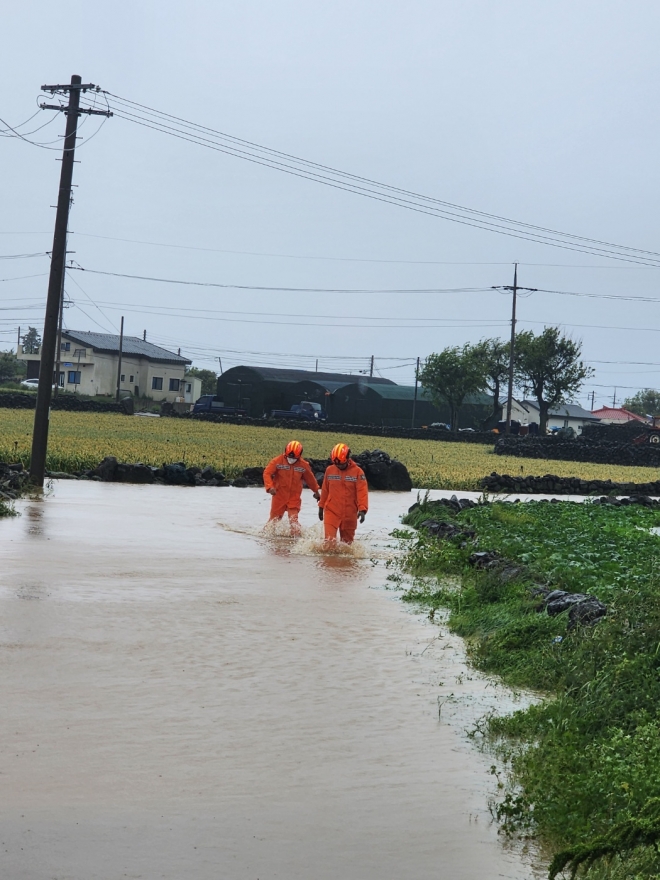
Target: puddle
{"points": [[198, 698]]}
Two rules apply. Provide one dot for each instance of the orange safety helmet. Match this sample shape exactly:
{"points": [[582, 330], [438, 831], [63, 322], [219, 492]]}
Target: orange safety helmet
{"points": [[294, 448], [340, 453]]}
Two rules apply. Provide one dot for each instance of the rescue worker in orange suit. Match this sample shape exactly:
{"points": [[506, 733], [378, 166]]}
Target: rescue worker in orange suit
{"points": [[283, 478], [344, 496]]}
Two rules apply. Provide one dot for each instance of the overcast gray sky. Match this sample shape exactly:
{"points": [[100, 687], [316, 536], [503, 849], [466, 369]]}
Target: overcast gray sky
{"points": [[545, 113]]}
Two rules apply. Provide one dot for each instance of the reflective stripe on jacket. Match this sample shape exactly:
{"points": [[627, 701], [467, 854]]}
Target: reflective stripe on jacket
{"points": [[287, 479]]}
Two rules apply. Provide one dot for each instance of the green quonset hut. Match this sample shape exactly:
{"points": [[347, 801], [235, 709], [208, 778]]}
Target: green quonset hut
{"points": [[392, 406], [347, 399], [262, 389]]}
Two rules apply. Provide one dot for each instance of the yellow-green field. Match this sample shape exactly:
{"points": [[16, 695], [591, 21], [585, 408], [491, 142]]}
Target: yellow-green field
{"points": [[81, 440]]}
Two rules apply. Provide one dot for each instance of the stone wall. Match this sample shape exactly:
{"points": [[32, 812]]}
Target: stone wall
{"points": [[296, 425], [597, 451], [69, 402], [550, 484]]}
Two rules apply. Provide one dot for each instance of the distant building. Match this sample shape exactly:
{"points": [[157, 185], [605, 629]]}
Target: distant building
{"points": [[564, 415], [89, 364], [610, 415], [347, 399], [392, 406], [262, 389]]}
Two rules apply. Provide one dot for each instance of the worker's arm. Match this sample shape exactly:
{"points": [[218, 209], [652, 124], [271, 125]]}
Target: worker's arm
{"points": [[324, 491], [269, 472], [362, 493]]}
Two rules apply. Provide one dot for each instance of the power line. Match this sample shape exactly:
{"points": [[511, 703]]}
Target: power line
{"points": [[250, 151]]}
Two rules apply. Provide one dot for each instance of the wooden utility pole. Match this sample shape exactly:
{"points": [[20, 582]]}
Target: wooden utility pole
{"points": [[121, 351], [512, 345], [55, 281], [512, 354], [412, 423]]}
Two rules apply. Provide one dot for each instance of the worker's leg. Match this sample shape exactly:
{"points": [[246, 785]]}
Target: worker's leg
{"points": [[347, 531], [293, 512], [330, 526], [278, 507]]}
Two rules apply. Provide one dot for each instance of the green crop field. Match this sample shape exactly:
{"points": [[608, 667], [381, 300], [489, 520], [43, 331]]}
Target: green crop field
{"points": [[81, 440]]}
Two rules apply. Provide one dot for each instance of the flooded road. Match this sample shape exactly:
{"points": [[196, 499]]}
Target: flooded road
{"points": [[183, 697]]}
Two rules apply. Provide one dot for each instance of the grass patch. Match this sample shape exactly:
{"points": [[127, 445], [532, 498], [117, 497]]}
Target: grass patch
{"points": [[584, 762]]}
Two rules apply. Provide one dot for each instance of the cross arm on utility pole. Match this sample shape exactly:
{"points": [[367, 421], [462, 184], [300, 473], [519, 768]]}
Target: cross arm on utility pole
{"points": [[69, 87], [87, 110]]}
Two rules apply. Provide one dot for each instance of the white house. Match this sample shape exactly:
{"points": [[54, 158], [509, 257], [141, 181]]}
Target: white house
{"points": [[564, 415], [89, 363]]}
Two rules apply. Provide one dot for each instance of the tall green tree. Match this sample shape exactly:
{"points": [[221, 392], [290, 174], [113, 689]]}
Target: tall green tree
{"points": [[451, 375], [11, 368], [208, 377], [31, 341], [550, 365], [644, 403], [495, 356]]}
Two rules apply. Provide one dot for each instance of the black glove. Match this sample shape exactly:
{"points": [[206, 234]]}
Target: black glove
{"points": [[361, 515], [321, 514]]}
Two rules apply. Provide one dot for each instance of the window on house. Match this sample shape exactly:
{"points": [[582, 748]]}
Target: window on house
{"points": [[131, 378], [66, 346], [174, 384], [80, 352], [156, 383], [74, 377], [60, 380], [188, 387], [122, 377]]}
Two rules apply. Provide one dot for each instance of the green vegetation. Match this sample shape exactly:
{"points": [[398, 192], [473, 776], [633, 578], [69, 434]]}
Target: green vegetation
{"points": [[12, 370], [646, 402], [583, 763]]}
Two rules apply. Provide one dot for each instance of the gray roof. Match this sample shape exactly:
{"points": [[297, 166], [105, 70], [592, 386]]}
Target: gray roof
{"points": [[132, 345], [276, 374], [564, 411]]}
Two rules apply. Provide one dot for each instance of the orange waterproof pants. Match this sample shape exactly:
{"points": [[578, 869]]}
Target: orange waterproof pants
{"points": [[346, 528], [280, 505]]}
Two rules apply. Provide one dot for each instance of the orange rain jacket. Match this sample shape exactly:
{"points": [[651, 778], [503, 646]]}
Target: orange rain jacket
{"points": [[344, 493], [287, 480]]}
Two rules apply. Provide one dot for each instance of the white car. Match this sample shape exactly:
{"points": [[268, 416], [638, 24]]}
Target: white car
{"points": [[32, 383]]}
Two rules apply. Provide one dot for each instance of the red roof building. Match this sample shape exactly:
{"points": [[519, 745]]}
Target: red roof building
{"points": [[610, 415]]}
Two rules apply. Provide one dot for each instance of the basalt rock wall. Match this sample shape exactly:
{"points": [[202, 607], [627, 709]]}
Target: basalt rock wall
{"points": [[297, 425], [597, 451], [550, 484], [69, 402]]}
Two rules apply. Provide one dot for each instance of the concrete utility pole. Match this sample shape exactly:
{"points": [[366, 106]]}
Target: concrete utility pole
{"points": [[58, 355], [512, 344], [121, 351], [371, 368], [55, 282], [18, 341], [412, 423]]}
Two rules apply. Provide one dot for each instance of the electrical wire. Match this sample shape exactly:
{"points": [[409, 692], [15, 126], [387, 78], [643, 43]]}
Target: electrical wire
{"points": [[177, 127]]}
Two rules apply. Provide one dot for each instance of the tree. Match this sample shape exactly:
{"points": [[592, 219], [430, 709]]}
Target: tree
{"points": [[451, 375], [208, 377], [495, 356], [31, 341], [644, 403], [11, 368], [550, 365]]}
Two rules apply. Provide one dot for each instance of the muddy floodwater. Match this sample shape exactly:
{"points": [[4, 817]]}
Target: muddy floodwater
{"points": [[185, 698]]}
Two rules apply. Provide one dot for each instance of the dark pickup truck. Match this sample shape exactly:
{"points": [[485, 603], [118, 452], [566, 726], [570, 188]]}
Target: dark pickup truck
{"points": [[210, 404], [305, 410]]}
